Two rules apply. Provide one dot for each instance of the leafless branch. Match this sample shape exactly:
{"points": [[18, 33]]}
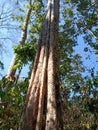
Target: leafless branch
{"points": [[4, 103]]}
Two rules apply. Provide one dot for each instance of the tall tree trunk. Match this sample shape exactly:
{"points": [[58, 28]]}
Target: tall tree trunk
{"points": [[11, 70], [42, 105]]}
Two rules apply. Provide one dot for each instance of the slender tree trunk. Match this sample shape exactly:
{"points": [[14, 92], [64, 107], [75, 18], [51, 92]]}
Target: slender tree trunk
{"points": [[11, 70], [42, 103]]}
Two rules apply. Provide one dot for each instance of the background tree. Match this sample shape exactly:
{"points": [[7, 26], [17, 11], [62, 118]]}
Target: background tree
{"points": [[12, 68]]}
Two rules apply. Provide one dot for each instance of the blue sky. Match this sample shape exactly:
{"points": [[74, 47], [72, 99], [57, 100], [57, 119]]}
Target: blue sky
{"points": [[8, 37], [90, 60]]}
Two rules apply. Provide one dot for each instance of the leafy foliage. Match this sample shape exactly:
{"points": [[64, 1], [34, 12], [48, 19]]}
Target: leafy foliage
{"points": [[1, 65], [25, 53], [11, 103]]}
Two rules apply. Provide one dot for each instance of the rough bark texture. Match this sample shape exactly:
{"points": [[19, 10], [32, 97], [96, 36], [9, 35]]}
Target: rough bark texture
{"points": [[11, 71], [42, 105]]}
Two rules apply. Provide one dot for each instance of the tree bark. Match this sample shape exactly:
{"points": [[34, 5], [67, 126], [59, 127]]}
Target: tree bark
{"points": [[11, 71], [42, 104]]}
